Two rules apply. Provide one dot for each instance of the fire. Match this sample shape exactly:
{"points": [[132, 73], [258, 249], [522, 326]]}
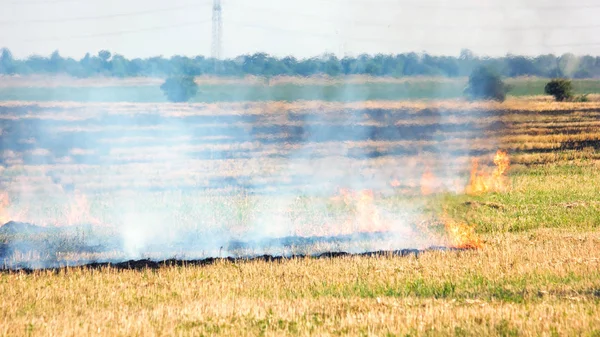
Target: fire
{"points": [[79, 212], [366, 217], [478, 183], [7, 213], [502, 163], [429, 183], [461, 235], [481, 182]]}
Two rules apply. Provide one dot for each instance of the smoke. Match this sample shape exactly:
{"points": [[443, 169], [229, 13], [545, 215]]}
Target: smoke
{"points": [[118, 181]]}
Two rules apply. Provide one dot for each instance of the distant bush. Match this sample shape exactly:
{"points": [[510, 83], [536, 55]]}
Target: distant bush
{"points": [[179, 89], [561, 89], [484, 83], [582, 98]]}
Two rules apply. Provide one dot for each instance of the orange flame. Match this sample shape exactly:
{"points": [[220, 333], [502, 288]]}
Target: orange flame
{"points": [[79, 212], [481, 182], [6, 213], [478, 180], [429, 183], [365, 217], [461, 235], [502, 163]]}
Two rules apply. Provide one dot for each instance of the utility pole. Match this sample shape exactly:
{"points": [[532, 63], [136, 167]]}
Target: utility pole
{"points": [[217, 30]]}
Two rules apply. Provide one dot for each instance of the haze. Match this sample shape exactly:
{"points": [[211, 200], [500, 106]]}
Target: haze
{"points": [[143, 28]]}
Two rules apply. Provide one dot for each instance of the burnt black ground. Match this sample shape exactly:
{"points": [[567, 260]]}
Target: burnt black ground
{"points": [[47, 243], [151, 264]]}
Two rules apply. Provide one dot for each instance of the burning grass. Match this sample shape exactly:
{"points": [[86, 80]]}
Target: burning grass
{"points": [[358, 213], [462, 236], [536, 200], [418, 177], [482, 182], [535, 271], [364, 216], [556, 196], [360, 225]]}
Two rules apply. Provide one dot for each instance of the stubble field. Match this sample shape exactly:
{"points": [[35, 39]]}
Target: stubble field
{"points": [[238, 166]]}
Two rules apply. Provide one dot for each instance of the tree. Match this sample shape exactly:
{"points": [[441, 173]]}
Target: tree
{"points": [[448, 66], [560, 88], [466, 62], [7, 63], [484, 83], [546, 65], [331, 65], [55, 63], [567, 64], [73, 68], [118, 66], [520, 66], [307, 67], [104, 55], [105, 63], [180, 88]]}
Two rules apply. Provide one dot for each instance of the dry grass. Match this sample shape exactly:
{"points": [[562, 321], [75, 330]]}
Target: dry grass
{"points": [[538, 274], [528, 103], [540, 283], [534, 131]]}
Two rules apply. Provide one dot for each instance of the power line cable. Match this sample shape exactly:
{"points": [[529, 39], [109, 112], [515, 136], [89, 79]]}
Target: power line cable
{"points": [[404, 4], [109, 16], [117, 33], [306, 15], [319, 34], [443, 5], [425, 26], [43, 2], [395, 41], [293, 31]]}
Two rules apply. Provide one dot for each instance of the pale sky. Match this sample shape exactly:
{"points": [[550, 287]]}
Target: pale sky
{"points": [[302, 28]]}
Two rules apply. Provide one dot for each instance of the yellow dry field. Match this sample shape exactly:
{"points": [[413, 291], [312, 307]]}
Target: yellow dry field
{"points": [[544, 282], [538, 273]]}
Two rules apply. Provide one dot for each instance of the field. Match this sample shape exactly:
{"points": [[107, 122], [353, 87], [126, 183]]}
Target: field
{"points": [[211, 90], [262, 169]]}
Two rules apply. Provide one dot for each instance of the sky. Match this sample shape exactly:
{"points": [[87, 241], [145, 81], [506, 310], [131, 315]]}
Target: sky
{"points": [[301, 28]]}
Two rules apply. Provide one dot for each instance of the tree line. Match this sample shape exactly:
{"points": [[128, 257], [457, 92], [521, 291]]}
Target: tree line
{"points": [[108, 64]]}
